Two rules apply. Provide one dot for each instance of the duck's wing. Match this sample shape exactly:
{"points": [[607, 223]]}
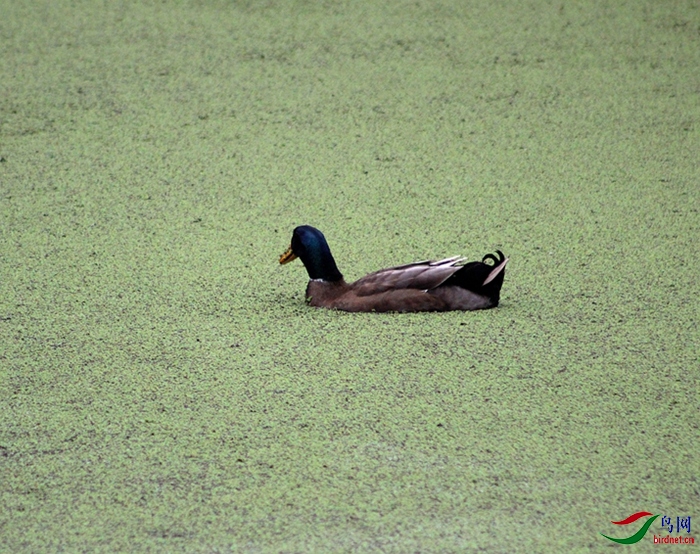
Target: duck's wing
{"points": [[423, 275]]}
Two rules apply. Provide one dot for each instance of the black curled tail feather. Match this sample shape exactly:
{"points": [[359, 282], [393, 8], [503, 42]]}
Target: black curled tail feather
{"points": [[473, 274], [496, 260]]}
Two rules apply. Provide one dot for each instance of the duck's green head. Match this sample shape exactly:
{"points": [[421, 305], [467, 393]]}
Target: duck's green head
{"points": [[311, 247]]}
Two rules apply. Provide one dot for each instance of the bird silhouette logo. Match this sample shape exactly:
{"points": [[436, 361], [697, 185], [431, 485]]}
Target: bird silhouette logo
{"points": [[636, 537]]}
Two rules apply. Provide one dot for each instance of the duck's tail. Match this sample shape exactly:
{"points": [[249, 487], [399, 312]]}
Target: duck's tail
{"points": [[482, 278]]}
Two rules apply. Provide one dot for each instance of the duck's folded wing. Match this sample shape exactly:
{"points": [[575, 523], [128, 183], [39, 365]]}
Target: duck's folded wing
{"points": [[424, 275]]}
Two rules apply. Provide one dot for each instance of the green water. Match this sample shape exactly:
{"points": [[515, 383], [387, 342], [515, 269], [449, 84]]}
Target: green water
{"points": [[163, 386]]}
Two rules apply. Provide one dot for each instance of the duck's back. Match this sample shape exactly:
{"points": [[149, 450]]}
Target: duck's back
{"points": [[422, 276]]}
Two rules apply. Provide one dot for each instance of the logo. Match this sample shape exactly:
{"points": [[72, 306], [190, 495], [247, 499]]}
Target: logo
{"points": [[681, 524], [639, 534]]}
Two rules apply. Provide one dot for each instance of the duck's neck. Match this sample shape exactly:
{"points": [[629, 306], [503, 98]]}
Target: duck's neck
{"points": [[320, 264]]}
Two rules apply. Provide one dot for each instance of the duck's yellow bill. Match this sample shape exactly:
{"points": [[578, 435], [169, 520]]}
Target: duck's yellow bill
{"points": [[288, 256]]}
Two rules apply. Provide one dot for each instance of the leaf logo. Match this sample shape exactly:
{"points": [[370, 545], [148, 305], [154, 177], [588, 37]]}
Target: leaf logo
{"points": [[639, 534]]}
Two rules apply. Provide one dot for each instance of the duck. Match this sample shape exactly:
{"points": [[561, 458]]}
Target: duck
{"points": [[442, 285]]}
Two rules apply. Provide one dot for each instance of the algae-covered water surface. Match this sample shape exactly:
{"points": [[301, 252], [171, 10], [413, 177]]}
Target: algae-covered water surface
{"points": [[164, 386]]}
